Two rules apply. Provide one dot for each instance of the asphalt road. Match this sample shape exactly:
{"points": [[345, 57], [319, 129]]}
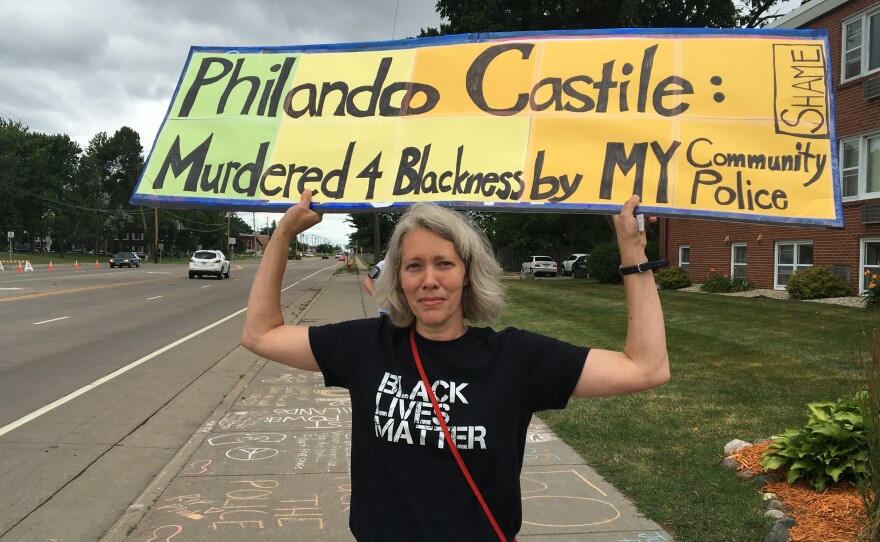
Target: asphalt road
{"points": [[104, 374]]}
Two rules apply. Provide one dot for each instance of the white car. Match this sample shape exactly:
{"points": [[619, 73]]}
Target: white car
{"points": [[208, 262], [539, 265], [566, 265]]}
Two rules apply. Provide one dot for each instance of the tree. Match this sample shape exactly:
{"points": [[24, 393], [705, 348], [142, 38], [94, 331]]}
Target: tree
{"points": [[36, 174], [59, 160], [758, 13], [363, 230], [467, 16], [15, 142]]}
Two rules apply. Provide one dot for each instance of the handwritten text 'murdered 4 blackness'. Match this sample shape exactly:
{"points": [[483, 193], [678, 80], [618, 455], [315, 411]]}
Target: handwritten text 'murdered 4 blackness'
{"points": [[600, 93], [721, 173]]}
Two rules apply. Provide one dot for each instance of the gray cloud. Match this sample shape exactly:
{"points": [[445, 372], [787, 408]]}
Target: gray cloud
{"points": [[93, 66], [85, 67]]}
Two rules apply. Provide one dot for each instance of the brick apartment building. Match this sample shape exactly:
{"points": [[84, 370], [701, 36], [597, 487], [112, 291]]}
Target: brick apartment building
{"points": [[767, 255]]}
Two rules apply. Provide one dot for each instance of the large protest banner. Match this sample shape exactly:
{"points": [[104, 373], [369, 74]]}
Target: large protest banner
{"points": [[725, 124]]}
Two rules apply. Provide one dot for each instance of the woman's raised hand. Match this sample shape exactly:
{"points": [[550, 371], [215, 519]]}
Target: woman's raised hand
{"points": [[300, 217]]}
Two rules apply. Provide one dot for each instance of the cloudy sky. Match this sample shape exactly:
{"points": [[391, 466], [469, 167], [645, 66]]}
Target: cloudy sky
{"points": [[80, 68]]}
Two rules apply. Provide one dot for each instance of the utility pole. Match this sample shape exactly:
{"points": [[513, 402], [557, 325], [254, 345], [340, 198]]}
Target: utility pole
{"points": [[156, 235]]}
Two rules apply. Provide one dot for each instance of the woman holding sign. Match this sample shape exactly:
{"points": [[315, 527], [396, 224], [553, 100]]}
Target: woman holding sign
{"points": [[440, 409]]}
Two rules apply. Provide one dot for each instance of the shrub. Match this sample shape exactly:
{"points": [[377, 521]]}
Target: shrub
{"points": [[738, 284], [717, 283], [829, 448], [604, 263], [872, 294], [672, 278], [815, 283]]}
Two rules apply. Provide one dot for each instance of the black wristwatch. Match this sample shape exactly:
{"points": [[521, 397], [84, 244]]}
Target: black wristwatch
{"points": [[642, 267]]}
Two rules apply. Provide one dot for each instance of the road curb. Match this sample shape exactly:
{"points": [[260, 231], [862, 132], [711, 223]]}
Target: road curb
{"points": [[139, 508]]}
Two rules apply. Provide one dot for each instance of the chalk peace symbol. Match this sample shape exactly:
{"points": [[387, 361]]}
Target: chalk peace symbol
{"points": [[251, 454]]}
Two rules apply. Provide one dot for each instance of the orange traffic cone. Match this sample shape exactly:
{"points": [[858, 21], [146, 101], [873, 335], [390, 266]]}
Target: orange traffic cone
{"points": [[20, 270], [51, 267], [76, 265], [96, 264]]}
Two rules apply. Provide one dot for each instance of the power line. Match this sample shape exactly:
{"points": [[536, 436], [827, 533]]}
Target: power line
{"points": [[394, 28], [20, 120]]}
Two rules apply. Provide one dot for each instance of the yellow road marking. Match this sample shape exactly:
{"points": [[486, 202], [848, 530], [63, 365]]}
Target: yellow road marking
{"points": [[75, 290]]}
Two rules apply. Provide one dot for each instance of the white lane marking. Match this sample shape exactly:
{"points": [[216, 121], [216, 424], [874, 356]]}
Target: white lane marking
{"points": [[88, 387], [11, 288], [156, 297], [52, 320], [158, 273], [208, 286]]}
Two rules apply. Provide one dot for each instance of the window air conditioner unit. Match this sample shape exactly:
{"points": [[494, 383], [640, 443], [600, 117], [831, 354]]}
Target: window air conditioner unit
{"points": [[872, 88], [871, 214]]}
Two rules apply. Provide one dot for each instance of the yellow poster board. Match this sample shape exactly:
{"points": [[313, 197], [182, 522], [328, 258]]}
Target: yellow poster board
{"points": [[726, 124]]}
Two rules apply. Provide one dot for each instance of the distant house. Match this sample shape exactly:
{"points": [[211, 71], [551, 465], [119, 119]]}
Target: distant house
{"points": [[253, 244], [768, 255]]}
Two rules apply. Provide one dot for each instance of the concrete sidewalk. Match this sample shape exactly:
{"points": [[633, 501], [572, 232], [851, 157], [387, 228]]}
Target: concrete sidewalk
{"points": [[271, 463]]}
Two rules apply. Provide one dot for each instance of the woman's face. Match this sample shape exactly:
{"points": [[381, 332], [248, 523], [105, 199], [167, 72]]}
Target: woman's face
{"points": [[432, 277]]}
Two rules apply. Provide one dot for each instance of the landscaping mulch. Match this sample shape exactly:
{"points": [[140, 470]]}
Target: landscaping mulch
{"points": [[834, 515]]}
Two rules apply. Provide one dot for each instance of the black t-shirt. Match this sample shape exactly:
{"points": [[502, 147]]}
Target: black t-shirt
{"points": [[405, 484]]}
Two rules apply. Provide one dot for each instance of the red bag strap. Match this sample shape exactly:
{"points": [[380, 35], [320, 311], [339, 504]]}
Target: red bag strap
{"points": [[449, 443]]}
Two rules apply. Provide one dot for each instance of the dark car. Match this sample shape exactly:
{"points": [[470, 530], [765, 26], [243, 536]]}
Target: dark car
{"points": [[125, 259], [325, 256]]}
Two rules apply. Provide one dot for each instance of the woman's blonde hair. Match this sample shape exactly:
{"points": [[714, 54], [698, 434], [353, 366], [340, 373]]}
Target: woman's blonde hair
{"points": [[482, 298]]}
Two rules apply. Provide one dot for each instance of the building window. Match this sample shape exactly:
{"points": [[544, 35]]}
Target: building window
{"points": [[791, 256], [739, 261], [870, 262], [250, 245], [860, 166], [861, 45], [137, 237], [684, 257]]}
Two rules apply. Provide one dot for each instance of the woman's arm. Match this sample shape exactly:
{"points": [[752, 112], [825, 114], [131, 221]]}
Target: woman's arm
{"points": [[644, 362], [265, 332]]}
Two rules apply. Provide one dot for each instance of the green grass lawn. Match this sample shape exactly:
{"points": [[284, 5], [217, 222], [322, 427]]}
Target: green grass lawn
{"points": [[741, 368]]}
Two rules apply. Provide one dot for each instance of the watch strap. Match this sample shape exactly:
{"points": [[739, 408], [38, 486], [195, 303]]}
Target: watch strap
{"points": [[642, 267]]}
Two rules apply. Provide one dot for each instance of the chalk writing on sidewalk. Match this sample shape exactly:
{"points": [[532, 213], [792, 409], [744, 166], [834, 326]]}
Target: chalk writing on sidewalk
{"points": [[249, 504], [646, 537], [531, 454], [539, 432], [344, 491], [543, 492], [313, 418], [168, 531], [197, 468]]}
